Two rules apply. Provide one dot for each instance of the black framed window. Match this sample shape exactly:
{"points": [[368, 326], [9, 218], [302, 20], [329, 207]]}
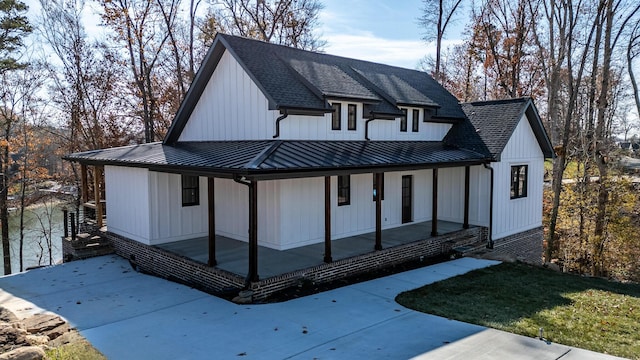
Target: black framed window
{"points": [[519, 181], [403, 121], [381, 187], [344, 190], [190, 190], [336, 116], [415, 120], [351, 116]]}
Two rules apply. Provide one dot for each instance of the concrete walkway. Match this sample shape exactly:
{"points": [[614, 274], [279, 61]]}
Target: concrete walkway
{"points": [[128, 315]]}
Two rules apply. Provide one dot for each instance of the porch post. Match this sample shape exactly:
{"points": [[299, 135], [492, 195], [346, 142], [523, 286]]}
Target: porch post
{"points": [[212, 222], [378, 245], [84, 183], [252, 276], [97, 177], [467, 171], [434, 205], [327, 219]]}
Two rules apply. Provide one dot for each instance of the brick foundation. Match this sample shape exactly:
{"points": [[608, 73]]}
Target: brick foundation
{"points": [[525, 246], [180, 269]]}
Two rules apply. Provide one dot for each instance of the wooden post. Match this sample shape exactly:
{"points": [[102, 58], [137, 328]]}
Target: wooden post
{"points": [[378, 245], [467, 171], [97, 176], [65, 217], [252, 276], [434, 205], [73, 226], [327, 219], [84, 184], [212, 222]]}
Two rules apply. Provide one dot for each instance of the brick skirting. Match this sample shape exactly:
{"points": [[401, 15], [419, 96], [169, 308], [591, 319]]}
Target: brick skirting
{"points": [[180, 269], [525, 246]]}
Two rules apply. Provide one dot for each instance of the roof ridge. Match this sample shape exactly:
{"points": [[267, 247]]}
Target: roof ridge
{"points": [[264, 154], [499, 101]]}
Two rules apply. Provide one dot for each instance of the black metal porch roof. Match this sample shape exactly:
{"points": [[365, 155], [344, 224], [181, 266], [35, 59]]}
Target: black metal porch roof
{"points": [[282, 158]]}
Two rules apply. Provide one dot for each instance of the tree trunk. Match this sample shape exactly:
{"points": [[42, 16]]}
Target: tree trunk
{"points": [[4, 211]]}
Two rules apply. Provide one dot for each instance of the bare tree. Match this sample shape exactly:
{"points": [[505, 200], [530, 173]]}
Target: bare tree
{"points": [[633, 51], [436, 16], [287, 22], [140, 26]]}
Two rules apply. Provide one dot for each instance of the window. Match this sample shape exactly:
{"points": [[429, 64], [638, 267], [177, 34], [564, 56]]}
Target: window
{"points": [[519, 181], [381, 187], [344, 190], [190, 190], [351, 117], [414, 121], [336, 118], [403, 121]]}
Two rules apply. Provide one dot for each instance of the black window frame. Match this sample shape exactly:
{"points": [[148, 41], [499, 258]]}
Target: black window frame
{"points": [[190, 190], [381, 187], [336, 116], [415, 121], [352, 116], [403, 121], [344, 190], [519, 181]]}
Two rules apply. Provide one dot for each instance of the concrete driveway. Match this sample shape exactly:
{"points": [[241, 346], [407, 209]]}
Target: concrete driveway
{"points": [[127, 315]]}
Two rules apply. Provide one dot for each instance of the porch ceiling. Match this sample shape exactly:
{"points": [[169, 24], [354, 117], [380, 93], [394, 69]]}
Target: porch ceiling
{"points": [[272, 159]]}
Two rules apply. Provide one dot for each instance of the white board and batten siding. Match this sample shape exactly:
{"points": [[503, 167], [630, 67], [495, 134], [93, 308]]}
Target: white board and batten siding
{"points": [[511, 216], [127, 201], [170, 221], [232, 107]]}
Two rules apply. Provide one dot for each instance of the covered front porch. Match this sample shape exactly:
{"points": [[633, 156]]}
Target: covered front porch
{"points": [[231, 255]]}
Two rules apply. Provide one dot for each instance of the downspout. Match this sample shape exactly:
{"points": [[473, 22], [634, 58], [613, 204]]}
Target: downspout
{"points": [[252, 274], [280, 118], [366, 128], [490, 244]]}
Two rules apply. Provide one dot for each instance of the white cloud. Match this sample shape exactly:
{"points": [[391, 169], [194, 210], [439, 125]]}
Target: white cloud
{"points": [[366, 46]]}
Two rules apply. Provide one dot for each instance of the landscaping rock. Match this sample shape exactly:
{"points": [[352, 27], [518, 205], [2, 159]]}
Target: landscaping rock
{"points": [[57, 331], [41, 323], [7, 315], [11, 337], [24, 353]]}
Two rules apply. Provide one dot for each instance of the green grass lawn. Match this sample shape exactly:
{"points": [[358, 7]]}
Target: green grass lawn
{"points": [[588, 313]]}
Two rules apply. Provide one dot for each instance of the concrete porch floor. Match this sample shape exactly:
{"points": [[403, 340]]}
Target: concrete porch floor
{"points": [[232, 255]]}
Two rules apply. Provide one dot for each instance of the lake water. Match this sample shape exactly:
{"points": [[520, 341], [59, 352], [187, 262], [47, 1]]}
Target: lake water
{"points": [[39, 219]]}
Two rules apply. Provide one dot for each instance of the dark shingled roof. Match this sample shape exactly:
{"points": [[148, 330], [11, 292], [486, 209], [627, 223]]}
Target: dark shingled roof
{"points": [[496, 120], [299, 79], [281, 158]]}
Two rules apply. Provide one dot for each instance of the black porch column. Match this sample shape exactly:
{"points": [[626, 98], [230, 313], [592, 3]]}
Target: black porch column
{"points": [[434, 205], [327, 219], [467, 171], [378, 245], [252, 276], [212, 222]]}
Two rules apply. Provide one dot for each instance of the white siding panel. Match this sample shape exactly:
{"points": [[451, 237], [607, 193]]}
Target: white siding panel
{"points": [[515, 215], [479, 195], [231, 107], [302, 212], [232, 209], [451, 194], [127, 192], [170, 221], [269, 215]]}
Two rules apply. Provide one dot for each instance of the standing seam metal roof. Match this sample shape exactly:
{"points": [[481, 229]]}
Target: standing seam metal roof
{"points": [[269, 156]]}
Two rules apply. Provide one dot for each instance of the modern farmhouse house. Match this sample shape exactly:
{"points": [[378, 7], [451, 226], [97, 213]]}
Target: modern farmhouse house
{"points": [[284, 164]]}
